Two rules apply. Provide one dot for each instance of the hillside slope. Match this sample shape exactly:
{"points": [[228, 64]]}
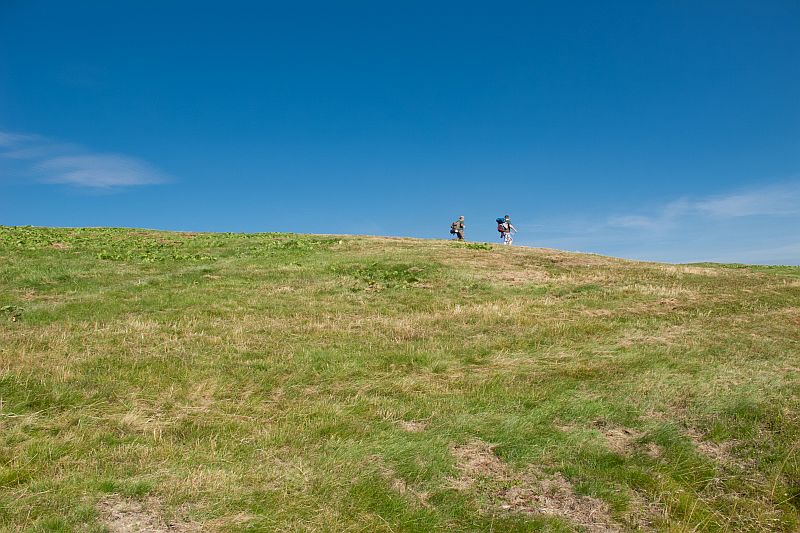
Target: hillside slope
{"points": [[228, 382]]}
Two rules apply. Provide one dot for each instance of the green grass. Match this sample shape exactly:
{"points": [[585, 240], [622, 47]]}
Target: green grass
{"points": [[263, 382]]}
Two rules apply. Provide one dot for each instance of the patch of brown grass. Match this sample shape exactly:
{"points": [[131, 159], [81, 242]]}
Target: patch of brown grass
{"points": [[621, 440], [131, 516], [413, 426], [665, 336], [664, 291], [530, 492], [719, 452], [554, 496], [618, 439], [476, 460], [575, 259], [653, 450], [681, 270]]}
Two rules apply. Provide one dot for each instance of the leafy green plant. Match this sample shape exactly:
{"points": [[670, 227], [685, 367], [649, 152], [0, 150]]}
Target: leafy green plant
{"points": [[14, 312], [477, 245], [386, 275]]}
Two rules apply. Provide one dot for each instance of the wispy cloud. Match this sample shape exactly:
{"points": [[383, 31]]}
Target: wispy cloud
{"points": [[99, 171], [48, 161], [8, 139], [775, 200], [756, 225], [662, 218]]}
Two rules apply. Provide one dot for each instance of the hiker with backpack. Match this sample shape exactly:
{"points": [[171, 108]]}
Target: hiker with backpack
{"points": [[506, 230], [457, 228], [501, 228]]}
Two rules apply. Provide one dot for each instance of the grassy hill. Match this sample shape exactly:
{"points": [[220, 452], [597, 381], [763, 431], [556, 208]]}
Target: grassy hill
{"points": [[162, 381]]}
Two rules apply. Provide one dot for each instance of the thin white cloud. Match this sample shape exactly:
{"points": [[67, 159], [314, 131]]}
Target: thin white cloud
{"points": [[102, 171], [757, 225], [663, 218], [783, 254], [9, 140], [775, 200], [48, 161]]}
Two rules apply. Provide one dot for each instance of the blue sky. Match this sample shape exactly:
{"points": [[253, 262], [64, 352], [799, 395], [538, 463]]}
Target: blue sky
{"points": [[652, 130]]}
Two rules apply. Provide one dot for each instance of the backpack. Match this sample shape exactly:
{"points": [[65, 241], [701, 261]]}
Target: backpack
{"points": [[501, 227]]}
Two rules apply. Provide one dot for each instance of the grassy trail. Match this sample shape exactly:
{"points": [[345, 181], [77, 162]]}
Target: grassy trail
{"points": [[166, 381]]}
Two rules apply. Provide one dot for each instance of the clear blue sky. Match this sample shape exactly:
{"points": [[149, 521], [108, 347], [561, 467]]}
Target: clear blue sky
{"points": [[653, 130]]}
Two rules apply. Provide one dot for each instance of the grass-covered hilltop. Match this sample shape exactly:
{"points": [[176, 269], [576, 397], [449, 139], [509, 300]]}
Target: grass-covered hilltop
{"points": [[158, 381]]}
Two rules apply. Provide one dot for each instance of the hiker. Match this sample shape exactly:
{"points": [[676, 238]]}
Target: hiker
{"points": [[457, 228], [508, 231]]}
